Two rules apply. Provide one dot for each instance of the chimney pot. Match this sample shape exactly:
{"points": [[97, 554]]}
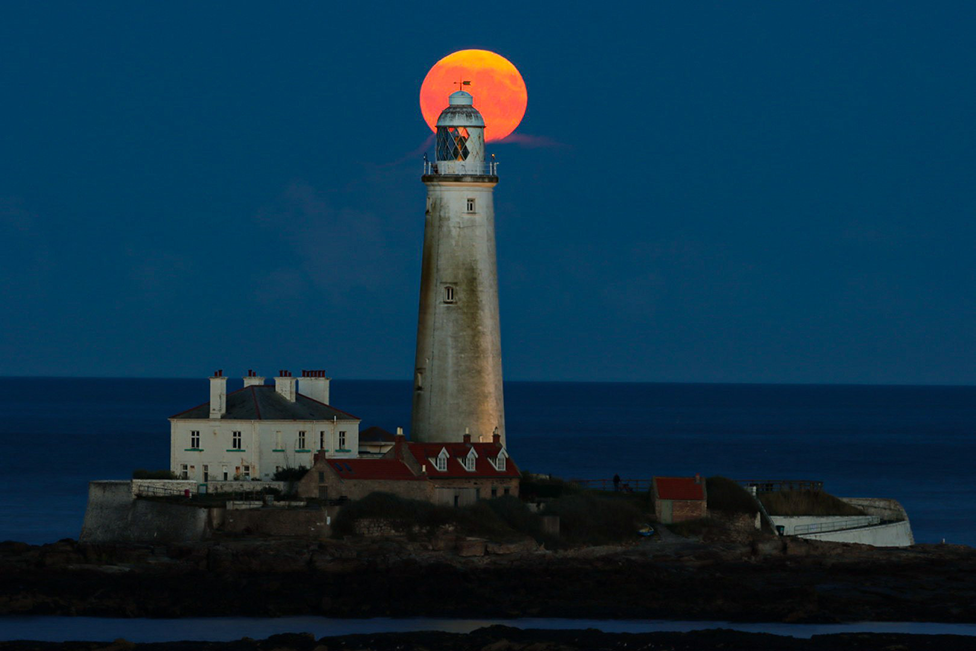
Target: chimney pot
{"points": [[467, 438]]}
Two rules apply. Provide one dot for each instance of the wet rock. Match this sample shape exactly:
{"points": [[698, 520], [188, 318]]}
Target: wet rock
{"points": [[468, 547]]}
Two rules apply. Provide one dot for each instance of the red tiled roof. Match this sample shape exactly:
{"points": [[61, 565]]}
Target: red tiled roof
{"points": [[371, 469], [424, 452], [679, 488]]}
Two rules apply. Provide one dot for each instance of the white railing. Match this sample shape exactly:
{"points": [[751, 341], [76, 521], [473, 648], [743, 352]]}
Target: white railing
{"points": [[470, 169], [836, 525]]}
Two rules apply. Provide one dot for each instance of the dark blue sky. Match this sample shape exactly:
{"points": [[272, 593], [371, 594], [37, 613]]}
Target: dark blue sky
{"points": [[745, 192]]}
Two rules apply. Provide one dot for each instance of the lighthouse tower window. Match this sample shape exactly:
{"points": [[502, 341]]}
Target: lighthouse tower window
{"points": [[452, 143], [449, 294], [470, 205]]}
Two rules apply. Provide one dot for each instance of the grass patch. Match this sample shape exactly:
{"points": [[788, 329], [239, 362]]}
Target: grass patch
{"points": [[806, 503], [728, 496], [591, 519], [479, 519]]}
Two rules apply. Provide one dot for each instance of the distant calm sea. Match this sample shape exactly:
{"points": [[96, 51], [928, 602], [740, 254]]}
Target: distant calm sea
{"points": [[914, 444]]}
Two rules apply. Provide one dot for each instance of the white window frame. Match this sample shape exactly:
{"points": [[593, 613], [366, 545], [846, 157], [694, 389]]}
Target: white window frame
{"points": [[450, 294], [440, 461], [236, 440], [195, 439], [300, 442], [471, 205], [342, 439], [470, 461], [184, 471], [321, 439]]}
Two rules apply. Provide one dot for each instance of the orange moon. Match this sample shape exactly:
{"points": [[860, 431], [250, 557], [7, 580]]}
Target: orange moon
{"points": [[498, 90]]}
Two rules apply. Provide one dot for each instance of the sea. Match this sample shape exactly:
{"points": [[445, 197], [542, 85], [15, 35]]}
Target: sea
{"points": [[916, 444]]}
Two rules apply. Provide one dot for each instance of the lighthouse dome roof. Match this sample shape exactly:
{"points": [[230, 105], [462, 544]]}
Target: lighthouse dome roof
{"points": [[461, 112]]}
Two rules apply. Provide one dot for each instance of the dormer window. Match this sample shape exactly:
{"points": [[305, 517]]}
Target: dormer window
{"points": [[499, 462], [469, 460], [441, 461]]}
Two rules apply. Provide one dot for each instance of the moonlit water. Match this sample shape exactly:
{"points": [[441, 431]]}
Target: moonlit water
{"points": [[223, 629], [914, 444]]}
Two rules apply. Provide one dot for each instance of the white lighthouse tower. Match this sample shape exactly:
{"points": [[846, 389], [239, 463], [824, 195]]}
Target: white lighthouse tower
{"points": [[458, 374]]}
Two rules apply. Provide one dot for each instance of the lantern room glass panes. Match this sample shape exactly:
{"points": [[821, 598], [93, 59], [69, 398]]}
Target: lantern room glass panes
{"points": [[452, 143]]}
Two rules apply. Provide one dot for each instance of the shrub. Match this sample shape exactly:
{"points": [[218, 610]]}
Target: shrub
{"points": [[806, 503], [534, 487], [475, 520], [587, 519], [153, 474], [514, 513], [727, 495], [290, 474]]}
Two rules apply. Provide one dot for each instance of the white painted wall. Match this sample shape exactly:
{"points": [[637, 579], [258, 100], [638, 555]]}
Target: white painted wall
{"points": [[259, 450], [893, 534], [821, 522]]}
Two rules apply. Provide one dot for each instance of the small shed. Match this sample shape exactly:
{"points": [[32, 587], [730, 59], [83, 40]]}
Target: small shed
{"points": [[677, 499]]}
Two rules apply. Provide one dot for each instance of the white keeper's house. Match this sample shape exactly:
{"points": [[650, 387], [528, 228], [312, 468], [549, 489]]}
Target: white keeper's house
{"points": [[255, 431]]}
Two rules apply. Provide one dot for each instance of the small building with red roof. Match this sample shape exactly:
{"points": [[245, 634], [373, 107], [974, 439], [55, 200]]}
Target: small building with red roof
{"points": [[454, 474], [677, 499]]}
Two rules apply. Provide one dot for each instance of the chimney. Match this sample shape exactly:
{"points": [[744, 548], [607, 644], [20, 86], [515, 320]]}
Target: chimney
{"points": [[315, 385], [496, 438], [252, 379], [398, 444], [218, 395], [285, 385], [467, 436]]}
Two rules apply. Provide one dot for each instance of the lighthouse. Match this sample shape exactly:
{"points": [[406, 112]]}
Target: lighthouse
{"points": [[458, 373]]}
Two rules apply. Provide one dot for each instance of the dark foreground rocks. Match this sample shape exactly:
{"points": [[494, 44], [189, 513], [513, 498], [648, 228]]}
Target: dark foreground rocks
{"points": [[773, 580], [499, 638]]}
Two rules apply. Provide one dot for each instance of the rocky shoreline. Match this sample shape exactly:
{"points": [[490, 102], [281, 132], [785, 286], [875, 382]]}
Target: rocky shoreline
{"points": [[779, 580], [501, 638]]}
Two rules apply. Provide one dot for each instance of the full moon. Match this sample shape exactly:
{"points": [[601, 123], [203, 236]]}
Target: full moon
{"points": [[498, 89]]}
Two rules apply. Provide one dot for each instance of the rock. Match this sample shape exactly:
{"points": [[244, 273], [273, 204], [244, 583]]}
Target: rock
{"points": [[521, 547], [471, 547], [444, 541]]}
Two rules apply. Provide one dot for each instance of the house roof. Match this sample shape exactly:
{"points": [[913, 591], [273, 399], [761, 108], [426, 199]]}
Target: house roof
{"points": [[372, 469], [263, 402], [679, 488], [424, 452], [376, 435]]}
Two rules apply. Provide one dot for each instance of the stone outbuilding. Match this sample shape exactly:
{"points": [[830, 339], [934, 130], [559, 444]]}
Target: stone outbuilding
{"points": [[677, 499], [455, 474]]}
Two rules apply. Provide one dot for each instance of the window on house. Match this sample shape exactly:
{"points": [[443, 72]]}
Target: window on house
{"points": [[494, 492], [441, 463], [184, 471], [278, 441], [301, 440], [322, 440], [236, 440], [247, 472], [223, 469], [449, 294], [469, 462], [321, 477], [206, 473], [506, 491], [470, 205], [342, 440], [499, 463], [195, 439]]}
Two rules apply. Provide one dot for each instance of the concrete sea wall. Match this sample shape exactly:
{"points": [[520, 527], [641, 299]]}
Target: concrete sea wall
{"points": [[893, 534], [114, 515]]}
